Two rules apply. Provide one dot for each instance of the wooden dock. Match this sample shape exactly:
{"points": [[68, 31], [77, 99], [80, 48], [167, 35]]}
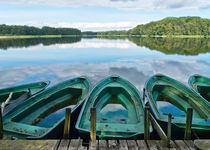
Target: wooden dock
{"points": [[78, 144]]}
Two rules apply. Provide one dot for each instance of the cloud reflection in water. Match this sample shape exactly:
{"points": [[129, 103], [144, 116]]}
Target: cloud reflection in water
{"points": [[137, 71]]}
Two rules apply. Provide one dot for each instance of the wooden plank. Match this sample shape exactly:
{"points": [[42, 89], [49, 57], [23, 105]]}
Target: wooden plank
{"points": [[152, 145], [123, 145], [113, 145], [169, 130], [158, 129], [142, 145], [190, 144], [57, 145], [202, 144], [64, 144], [102, 145], [93, 124], [181, 145], [74, 144], [93, 145], [146, 123], [27, 144], [66, 132], [161, 146], [188, 130], [1, 125], [132, 145], [81, 147], [172, 145]]}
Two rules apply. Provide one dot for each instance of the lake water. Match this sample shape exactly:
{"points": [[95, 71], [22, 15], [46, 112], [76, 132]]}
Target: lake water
{"points": [[135, 59]]}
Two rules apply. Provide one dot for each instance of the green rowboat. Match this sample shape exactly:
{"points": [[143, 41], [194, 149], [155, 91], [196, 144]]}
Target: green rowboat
{"points": [[43, 115], [201, 85], [18, 91], [119, 110], [166, 95], [13, 96]]}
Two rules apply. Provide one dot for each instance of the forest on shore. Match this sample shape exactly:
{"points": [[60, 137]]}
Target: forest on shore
{"points": [[171, 26], [29, 30]]}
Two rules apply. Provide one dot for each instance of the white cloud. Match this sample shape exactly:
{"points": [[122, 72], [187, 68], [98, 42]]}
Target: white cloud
{"points": [[152, 5], [85, 26]]}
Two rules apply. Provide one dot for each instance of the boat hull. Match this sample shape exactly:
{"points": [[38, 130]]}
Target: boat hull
{"points": [[119, 110], [201, 85], [42, 116], [166, 95], [18, 91]]}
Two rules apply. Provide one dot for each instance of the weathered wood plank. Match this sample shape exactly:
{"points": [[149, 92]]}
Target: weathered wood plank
{"points": [[161, 146], [102, 145], [132, 145], [142, 145], [27, 144], [93, 145], [152, 145], [67, 123], [146, 123], [74, 144], [188, 130], [93, 124], [190, 144], [64, 144], [181, 145], [113, 145], [202, 144], [172, 145], [57, 145], [123, 145], [1, 125], [81, 147]]}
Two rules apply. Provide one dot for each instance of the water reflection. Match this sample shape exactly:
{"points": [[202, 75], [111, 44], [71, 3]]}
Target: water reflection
{"points": [[181, 46], [165, 108], [137, 71], [23, 43]]}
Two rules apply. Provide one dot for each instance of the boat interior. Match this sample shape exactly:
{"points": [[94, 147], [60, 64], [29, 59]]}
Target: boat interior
{"points": [[204, 91], [119, 112], [170, 99], [49, 110]]}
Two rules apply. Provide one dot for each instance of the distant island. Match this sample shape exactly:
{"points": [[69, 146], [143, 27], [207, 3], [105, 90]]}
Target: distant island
{"points": [[171, 26], [168, 27]]}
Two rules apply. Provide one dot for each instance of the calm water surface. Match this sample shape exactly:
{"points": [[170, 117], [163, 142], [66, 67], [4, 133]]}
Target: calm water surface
{"points": [[58, 59]]}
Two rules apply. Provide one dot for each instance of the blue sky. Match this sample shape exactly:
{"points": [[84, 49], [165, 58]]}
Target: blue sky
{"points": [[97, 15]]}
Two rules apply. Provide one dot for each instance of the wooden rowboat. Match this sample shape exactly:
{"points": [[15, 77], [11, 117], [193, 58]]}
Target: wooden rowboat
{"points": [[43, 115], [201, 85], [166, 95], [13, 96], [119, 110], [18, 91]]}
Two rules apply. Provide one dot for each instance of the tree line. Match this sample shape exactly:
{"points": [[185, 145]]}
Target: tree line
{"points": [[168, 26], [29, 30]]}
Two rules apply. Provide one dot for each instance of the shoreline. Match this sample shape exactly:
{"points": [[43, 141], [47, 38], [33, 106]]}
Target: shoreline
{"points": [[99, 36], [35, 36], [157, 36]]}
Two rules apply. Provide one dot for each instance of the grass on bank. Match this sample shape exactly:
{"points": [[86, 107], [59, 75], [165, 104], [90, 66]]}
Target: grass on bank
{"points": [[156, 36], [34, 36], [60, 36]]}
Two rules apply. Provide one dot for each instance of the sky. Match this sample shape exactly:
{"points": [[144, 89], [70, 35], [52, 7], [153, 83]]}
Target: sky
{"points": [[97, 15]]}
